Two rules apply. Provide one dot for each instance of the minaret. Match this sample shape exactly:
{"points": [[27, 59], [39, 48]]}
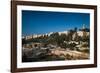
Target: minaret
{"points": [[83, 26], [84, 32]]}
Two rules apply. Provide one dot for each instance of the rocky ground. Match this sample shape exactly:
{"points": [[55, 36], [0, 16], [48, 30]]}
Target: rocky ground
{"points": [[69, 54]]}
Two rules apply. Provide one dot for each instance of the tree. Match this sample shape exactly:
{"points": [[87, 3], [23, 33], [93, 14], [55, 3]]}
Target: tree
{"points": [[54, 35], [75, 29], [54, 38], [70, 34], [35, 45], [23, 41], [72, 46], [63, 37]]}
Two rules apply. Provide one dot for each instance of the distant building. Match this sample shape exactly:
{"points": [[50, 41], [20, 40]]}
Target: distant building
{"points": [[35, 36], [28, 37], [82, 32], [50, 33], [63, 32]]}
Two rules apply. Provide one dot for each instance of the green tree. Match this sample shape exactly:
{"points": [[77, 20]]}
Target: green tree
{"points": [[70, 34]]}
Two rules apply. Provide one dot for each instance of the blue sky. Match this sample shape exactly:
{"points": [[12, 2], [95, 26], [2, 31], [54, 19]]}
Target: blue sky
{"points": [[41, 22]]}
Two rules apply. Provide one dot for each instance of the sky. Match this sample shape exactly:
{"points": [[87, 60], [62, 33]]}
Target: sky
{"points": [[42, 22]]}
